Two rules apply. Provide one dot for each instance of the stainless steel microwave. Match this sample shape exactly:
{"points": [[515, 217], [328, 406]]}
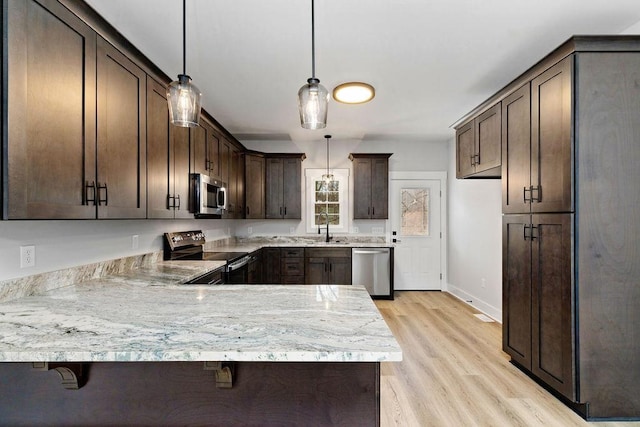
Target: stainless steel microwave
{"points": [[209, 196]]}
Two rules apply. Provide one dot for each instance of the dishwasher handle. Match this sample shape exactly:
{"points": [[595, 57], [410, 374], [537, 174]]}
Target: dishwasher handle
{"points": [[370, 252]]}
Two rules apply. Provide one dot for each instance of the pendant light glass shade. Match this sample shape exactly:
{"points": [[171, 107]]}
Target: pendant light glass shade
{"points": [[184, 97], [184, 102], [313, 102], [313, 98]]}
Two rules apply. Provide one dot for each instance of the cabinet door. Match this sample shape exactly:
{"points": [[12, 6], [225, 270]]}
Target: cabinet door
{"points": [[254, 186], [121, 101], [516, 288], [240, 185], [551, 139], [204, 149], [254, 271], [51, 118], [274, 188], [292, 189], [465, 150], [488, 139], [380, 188], [159, 160], [316, 270], [516, 151], [200, 158], [362, 184], [271, 265], [180, 175], [339, 270], [553, 302]]}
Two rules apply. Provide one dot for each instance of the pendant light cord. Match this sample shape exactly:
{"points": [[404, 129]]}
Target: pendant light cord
{"points": [[327, 138], [184, 37], [313, 42]]}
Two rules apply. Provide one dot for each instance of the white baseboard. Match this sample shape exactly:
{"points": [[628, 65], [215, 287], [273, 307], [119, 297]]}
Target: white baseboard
{"points": [[488, 309]]}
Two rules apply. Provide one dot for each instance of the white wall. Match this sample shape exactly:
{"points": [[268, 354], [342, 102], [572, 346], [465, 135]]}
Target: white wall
{"points": [[475, 240], [64, 244], [408, 155]]}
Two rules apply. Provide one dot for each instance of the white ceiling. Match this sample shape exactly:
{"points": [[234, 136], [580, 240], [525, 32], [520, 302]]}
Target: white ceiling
{"points": [[430, 61]]}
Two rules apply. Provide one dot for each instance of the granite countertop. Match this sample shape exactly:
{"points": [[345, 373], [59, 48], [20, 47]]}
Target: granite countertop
{"points": [[253, 244], [147, 315]]}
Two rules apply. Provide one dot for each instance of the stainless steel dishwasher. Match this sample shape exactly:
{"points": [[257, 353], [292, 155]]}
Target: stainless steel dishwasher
{"points": [[372, 268]]}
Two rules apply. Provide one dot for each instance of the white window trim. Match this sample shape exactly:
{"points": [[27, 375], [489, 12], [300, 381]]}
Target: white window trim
{"points": [[313, 175]]}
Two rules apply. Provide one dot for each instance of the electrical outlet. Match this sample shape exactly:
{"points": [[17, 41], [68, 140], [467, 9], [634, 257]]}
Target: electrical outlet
{"points": [[249, 230], [134, 242], [27, 256], [377, 230], [292, 230], [483, 283], [356, 230]]}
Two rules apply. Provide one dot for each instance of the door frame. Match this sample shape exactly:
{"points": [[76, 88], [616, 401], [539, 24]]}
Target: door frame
{"points": [[431, 175]]}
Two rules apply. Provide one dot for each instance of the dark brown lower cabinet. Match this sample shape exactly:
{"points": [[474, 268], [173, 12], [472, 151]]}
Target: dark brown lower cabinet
{"points": [[292, 266], [271, 265], [254, 270], [185, 393], [538, 297], [328, 266]]}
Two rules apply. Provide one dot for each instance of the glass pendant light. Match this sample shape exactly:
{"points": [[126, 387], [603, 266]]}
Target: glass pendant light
{"points": [[327, 177], [313, 98], [183, 96]]}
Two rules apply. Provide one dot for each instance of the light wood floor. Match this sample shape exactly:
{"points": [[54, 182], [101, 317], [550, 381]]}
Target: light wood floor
{"points": [[454, 372]]}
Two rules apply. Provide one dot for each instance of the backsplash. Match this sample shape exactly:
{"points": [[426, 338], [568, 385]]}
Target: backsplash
{"points": [[39, 283], [310, 239]]}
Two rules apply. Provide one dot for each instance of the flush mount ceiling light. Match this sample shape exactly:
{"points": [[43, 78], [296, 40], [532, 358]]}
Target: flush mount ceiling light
{"points": [[313, 98], [183, 96], [354, 93]]}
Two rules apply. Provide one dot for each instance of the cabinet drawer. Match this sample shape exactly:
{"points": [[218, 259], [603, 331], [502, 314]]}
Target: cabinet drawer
{"points": [[292, 267], [292, 252], [293, 280], [328, 252]]}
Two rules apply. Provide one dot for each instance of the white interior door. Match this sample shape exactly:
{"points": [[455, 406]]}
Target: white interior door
{"points": [[416, 227]]}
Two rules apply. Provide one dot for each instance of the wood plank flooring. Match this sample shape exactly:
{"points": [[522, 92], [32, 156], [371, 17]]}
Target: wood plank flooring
{"points": [[454, 372]]}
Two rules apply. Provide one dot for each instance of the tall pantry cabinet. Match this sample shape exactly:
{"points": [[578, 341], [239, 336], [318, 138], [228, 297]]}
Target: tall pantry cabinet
{"points": [[571, 221], [572, 258]]}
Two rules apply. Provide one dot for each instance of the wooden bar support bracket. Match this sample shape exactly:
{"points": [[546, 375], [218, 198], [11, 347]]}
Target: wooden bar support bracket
{"points": [[73, 375], [224, 372]]}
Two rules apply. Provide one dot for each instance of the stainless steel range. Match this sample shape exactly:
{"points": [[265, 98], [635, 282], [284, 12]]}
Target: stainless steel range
{"points": [[189, 246]]}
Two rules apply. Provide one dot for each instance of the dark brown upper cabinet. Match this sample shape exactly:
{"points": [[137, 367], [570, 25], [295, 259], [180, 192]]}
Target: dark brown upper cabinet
{"points": [[478, 146], [370, 185], [122, 141], [237, 181], [283, 187], [537, 145], [167, 159], [51, 113], [254, 185], [205, 142]]}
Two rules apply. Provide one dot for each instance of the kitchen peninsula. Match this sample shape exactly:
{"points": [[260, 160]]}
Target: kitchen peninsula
{"points": [[147, 350]]}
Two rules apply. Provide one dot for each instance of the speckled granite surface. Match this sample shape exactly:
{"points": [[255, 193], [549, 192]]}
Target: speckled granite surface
{"points": [[141, 316]]}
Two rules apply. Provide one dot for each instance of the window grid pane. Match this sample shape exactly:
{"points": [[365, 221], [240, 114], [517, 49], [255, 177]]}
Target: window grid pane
{"points": [[327, 203]]}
